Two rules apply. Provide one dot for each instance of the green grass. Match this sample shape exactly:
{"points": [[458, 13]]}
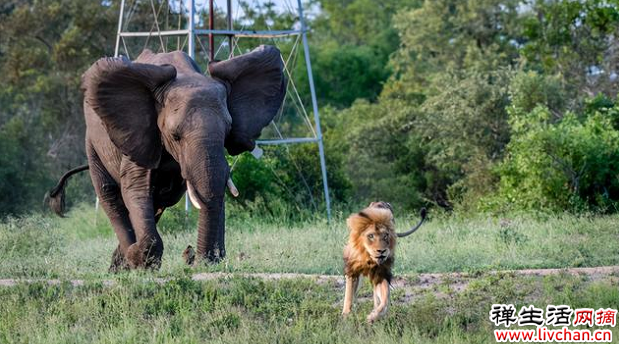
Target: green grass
{"points": [[241, 310], [48, 247], [137, 309]]}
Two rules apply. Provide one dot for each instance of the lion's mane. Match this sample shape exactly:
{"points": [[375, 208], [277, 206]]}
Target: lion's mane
{"points": [[357, 260]]}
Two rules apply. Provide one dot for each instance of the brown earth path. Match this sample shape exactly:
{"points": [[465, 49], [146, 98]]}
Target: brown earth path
{"points": [[456, 281]]}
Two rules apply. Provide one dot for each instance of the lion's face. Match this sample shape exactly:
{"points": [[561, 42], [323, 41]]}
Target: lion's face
{"points": [[372, 233], [378, 242]]}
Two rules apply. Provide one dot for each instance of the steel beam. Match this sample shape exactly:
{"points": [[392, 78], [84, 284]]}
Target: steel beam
{"points": [[230, 37], [205, 32], [292, 140], [321, 149], [250, 33], [155, 33], [120, 27], [191, 51], [211, 26], [190, 30], [191, 34]]}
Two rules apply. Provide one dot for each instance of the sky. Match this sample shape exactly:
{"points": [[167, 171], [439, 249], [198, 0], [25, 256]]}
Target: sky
{"points": [[221, 5], [284, 5]]}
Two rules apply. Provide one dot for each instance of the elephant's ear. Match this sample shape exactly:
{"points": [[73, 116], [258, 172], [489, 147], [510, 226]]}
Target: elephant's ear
{"points": [[123, 94], [257, 89]]}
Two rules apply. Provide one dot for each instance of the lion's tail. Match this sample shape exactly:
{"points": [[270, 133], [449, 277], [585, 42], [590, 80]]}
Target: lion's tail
{"points": [[423, 214], [54, 198]]}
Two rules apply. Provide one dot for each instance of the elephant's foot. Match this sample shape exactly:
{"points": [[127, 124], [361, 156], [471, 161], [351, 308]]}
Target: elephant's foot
{"points": [[146, 253], [119, 263], [189, 255], [213, 256]]}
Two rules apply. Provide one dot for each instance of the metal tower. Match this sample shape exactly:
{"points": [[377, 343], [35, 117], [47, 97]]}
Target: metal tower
{"points": [[191, 28]]}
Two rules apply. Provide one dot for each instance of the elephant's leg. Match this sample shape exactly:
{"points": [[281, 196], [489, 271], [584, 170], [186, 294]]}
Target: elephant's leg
{"points": [[119, 263], [136, 190], [111, 201]]}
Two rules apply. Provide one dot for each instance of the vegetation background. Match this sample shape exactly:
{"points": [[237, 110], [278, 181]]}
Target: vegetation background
{"points": [[502, 116], [479, 105]]}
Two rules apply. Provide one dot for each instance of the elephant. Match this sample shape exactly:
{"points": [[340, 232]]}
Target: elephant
{"points": [[157, 127]]}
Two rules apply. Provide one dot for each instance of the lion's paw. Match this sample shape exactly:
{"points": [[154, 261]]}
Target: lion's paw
{"points": [[373, 317]]}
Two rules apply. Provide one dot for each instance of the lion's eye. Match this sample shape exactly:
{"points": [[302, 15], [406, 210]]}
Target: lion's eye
{"points": [[371, 236], [386, 236]]}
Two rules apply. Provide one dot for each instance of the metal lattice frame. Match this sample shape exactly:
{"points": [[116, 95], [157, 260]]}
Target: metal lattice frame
{"points": [[190, 33]]}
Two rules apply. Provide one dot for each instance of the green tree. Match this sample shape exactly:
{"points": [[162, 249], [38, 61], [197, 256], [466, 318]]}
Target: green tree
{"points": [[382, 156], [448, 96], [44, 48], [351, 42], [575, 40], [464, 126], [452, 36], [570, 164]]}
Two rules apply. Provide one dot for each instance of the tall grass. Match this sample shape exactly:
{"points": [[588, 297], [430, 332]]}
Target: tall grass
{"points": [[241, 310], [40, 246], [138, 309]]}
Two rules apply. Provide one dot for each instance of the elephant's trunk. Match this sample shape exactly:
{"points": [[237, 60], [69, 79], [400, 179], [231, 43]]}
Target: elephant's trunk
{"points": [[207, 174], [211, 232]]}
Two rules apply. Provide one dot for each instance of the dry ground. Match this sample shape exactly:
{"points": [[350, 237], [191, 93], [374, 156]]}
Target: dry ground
{"points": [[408, 286]]}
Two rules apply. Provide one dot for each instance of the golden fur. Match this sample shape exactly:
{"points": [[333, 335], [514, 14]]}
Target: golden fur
{"points": [[370, 252], [361, 252]]}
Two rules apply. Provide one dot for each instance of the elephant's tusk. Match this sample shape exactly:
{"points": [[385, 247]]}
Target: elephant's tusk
{"points": [[192, 196], [233, 190]]}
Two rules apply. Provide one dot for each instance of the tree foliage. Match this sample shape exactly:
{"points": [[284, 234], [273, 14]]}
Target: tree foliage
{"points": [[44, 48], [462, 71], [474, 104], [566, 164]]}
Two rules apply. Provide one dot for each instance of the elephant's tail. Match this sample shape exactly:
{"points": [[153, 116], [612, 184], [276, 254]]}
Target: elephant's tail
{"points": [[54, 198]]}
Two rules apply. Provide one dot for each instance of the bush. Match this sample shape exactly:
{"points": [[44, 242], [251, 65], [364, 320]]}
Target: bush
{"points": [[287, 182], [570, 163], [382, 157], [22, 176]]}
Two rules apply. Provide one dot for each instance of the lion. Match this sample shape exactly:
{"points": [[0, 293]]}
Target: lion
{"points": [[370, 252]]}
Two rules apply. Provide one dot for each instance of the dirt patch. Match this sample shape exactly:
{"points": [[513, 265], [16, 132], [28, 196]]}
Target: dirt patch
{"points": [[456, 281], [441, 283]]}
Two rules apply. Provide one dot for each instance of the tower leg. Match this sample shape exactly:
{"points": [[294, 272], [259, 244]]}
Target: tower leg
{"points": [[310, 78], [191, 26], [120, 27]]}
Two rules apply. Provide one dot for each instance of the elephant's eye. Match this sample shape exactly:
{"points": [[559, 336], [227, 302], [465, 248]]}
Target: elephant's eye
{"points": [[176, 136]]}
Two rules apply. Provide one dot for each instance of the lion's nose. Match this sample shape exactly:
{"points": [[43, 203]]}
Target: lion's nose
{"points": [[381, 251]]}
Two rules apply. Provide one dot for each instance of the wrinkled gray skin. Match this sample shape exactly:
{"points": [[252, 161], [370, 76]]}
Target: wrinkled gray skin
{"points": [[157, 124]]}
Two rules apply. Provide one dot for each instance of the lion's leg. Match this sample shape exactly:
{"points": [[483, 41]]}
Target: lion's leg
{"points": [[384, 294], [376, 298], [355, 288], [381, 293], [352, 282]]}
